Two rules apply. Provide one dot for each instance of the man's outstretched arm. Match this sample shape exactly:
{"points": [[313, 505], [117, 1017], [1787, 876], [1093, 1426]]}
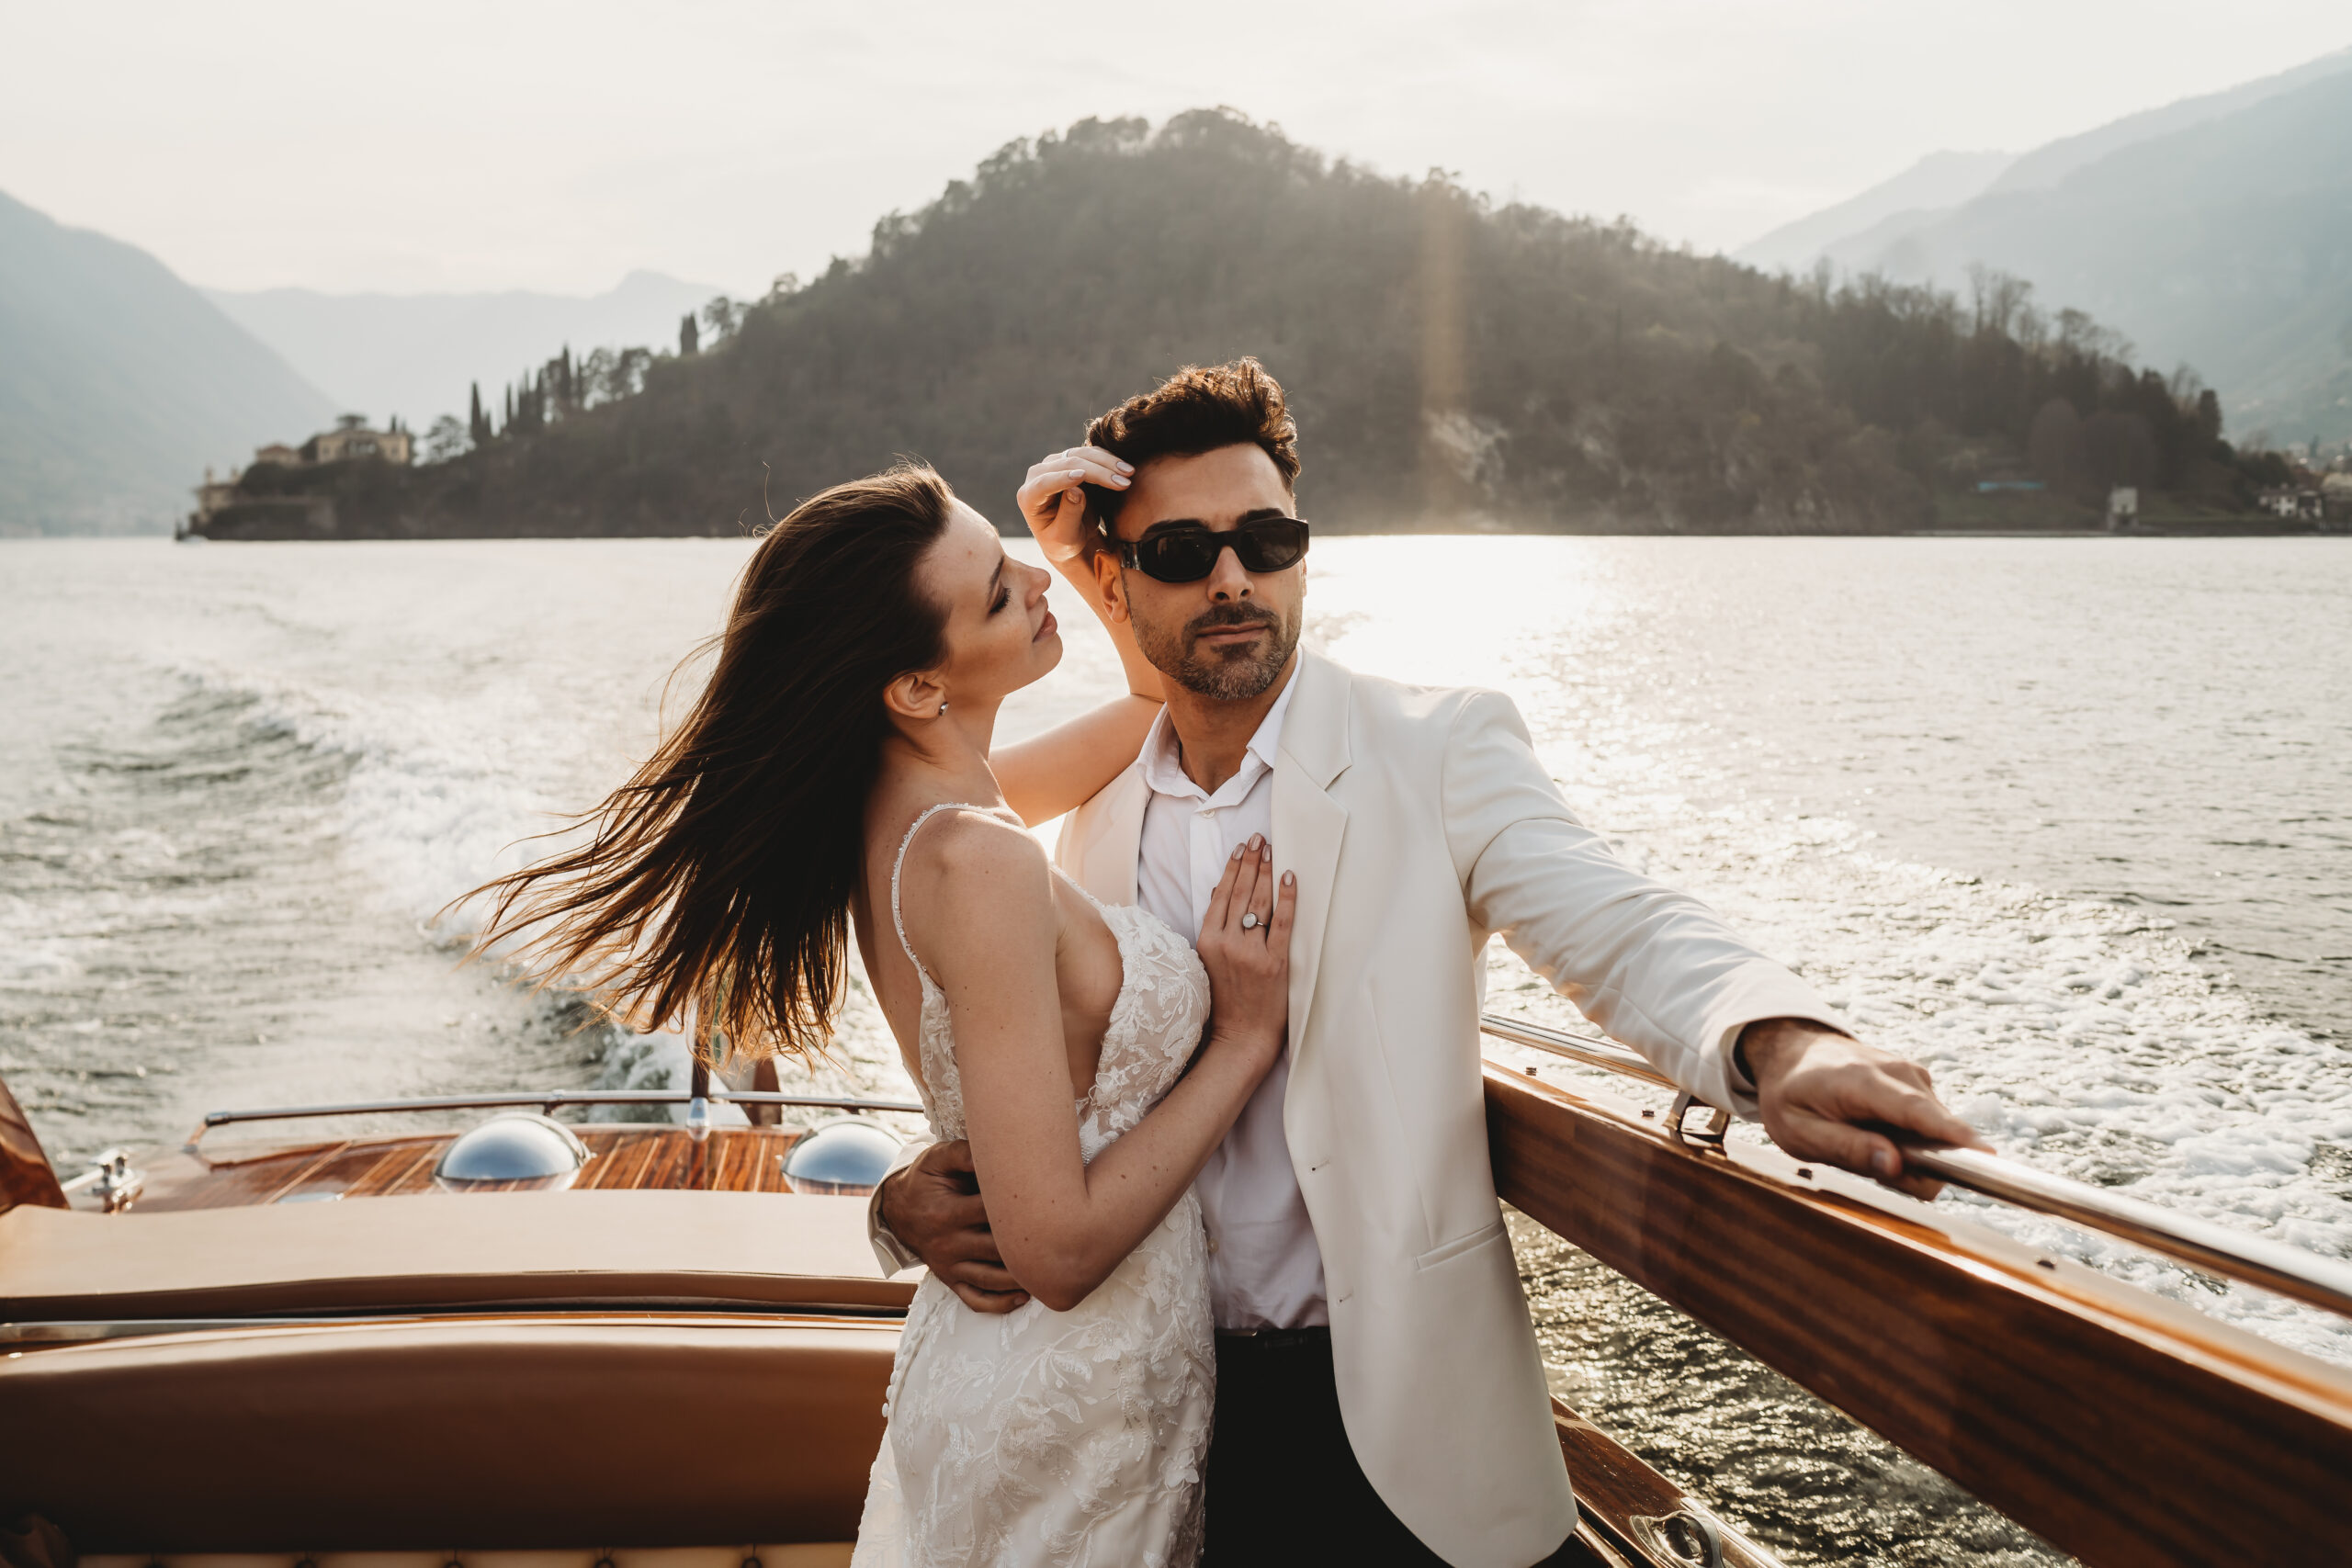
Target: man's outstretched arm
{"points": [[930, 1211], [1662, 972]]}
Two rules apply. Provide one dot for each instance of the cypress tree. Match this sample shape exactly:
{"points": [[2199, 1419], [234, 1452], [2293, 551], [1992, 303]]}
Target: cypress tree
{"points": [[477, 427], [689, 335]]}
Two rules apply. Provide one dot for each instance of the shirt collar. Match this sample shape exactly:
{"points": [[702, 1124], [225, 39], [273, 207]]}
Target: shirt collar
{"points": [[1162, 758]]}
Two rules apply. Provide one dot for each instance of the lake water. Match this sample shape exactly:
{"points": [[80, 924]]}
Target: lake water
{"points": [[2066, 819]]}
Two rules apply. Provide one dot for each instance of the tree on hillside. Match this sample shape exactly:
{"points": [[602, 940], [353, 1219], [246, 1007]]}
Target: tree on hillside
{"points": [[448, 438], [689, 337], [611, 374], [720, 318]]}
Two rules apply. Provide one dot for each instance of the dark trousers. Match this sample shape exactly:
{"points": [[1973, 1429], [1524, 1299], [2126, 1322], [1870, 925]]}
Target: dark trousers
{"points": [[1284, 1486]]}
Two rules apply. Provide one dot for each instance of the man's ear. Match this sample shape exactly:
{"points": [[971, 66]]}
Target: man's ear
{"points": [[1113, 583], [917, 695]]}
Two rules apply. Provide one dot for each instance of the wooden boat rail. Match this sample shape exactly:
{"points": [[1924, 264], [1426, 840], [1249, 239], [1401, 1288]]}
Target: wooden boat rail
{"points": [[2129, 1430], [2185, 1239]]}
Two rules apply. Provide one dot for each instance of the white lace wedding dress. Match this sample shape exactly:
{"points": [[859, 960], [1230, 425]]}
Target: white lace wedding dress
{"points": [[1075, 1438]]}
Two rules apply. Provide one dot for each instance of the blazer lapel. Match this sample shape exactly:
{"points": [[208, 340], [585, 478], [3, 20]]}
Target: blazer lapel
{"points": [[1309, 824], [1101, 839]]}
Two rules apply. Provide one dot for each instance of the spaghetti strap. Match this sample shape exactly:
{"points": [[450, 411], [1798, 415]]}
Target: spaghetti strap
{"points": [[898, 919]]}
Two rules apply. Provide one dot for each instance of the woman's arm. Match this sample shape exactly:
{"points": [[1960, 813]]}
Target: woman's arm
{"points": [[981, 911], [1054, 506], [1061, 770]]}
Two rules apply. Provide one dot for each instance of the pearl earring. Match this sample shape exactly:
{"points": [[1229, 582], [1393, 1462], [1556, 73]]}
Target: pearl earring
{"points": [[942, 707]]}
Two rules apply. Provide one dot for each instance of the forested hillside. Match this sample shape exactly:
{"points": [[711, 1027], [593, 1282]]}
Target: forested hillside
{"points": [[1453, 364]]}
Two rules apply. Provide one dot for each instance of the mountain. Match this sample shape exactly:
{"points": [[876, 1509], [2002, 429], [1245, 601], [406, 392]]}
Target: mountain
{"points": [[119, 383], [416, 355], [2047, 165], [2226, 246], [1936, 182], [1868, 224], [1454, 363], [2214, 231]]}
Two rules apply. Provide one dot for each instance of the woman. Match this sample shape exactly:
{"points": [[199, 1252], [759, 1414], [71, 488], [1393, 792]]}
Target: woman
{"points": [[838, 772]]}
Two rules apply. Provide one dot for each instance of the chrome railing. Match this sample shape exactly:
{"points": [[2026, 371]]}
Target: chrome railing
{"points": [[1591, 1050], [547, 1102], [2185, 1239]]}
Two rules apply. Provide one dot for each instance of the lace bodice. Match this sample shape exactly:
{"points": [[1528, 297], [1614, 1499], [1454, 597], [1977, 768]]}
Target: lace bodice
{"points": [[1041, 1437]]}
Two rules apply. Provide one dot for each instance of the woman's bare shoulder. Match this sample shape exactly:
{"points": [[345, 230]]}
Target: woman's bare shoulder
{"points": [[970, 862]]}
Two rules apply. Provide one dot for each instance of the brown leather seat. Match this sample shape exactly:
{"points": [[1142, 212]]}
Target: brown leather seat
{"points": [[563, 1430], [751, 1417], [761, 1250]]}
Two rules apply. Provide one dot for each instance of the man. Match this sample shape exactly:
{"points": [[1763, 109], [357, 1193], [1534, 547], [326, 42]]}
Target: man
{"points": [[1380, 1396]]}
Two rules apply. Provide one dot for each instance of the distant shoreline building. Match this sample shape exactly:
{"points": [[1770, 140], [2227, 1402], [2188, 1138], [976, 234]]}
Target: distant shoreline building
{"points": [[2297, 503], [351, 440]]}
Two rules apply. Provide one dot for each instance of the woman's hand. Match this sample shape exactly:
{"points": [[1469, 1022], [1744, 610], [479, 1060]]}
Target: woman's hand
{"points": [[1248, 958], [1054, 506], [1053, 502]]}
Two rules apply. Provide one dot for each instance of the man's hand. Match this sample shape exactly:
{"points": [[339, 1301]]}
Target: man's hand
{"points": [[933, 1206], [1828, 1097]]}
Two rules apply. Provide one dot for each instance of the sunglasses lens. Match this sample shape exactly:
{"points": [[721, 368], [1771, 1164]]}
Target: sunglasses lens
{"points": [[1179, 558], [1272, 545]]}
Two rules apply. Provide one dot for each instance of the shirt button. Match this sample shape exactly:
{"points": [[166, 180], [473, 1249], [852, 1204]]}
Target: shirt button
{"points": [[1212, 1244]]}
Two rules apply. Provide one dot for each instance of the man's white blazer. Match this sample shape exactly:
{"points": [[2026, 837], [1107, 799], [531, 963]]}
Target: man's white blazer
{"points": [[1420, 823]]}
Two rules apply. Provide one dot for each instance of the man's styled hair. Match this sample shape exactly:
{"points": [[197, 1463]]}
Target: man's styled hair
{"points": [[1197, 410]]}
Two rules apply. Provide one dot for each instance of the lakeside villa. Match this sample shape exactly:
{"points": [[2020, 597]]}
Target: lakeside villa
{"points": [[351, 439]]}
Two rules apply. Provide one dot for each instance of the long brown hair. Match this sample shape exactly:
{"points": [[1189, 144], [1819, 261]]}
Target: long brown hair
{"points": [[716, 881]]}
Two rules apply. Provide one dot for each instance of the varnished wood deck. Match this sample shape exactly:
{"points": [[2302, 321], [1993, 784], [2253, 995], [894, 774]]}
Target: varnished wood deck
{"points": [[730, 1160]]}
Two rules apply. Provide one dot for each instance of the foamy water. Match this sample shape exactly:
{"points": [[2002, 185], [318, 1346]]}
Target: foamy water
{"points": [[2063, 819]]}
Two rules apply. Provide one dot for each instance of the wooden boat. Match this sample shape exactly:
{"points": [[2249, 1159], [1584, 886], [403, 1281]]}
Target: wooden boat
{"points": [[666, 1345]]}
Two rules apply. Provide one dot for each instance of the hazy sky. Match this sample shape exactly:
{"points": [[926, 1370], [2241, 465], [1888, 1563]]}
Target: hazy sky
{"points": [[428, 145]]}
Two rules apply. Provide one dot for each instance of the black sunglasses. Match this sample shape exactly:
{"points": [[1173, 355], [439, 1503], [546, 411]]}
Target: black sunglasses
{"points": [[1187, 555]]}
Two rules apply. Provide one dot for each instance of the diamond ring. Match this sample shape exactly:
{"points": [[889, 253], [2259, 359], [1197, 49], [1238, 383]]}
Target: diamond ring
{"points": [[1249, 920]]}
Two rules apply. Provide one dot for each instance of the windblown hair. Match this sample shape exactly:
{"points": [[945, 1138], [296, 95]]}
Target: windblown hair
{"points": [[1197, 410], [714, 885]]}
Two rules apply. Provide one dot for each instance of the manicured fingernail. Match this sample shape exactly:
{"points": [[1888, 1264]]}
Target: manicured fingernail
{"points": [[1882, 1164], [1121, 480], [1127, 467], [1289, 879], [1237, 849], [1266, 853], [1255, 840]]}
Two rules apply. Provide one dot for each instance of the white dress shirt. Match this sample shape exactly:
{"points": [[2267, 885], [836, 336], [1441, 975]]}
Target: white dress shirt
{"points": [[1265, 1270]]}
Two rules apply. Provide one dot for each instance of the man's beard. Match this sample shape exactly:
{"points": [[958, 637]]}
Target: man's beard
{"points": [[1233, 674]]}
